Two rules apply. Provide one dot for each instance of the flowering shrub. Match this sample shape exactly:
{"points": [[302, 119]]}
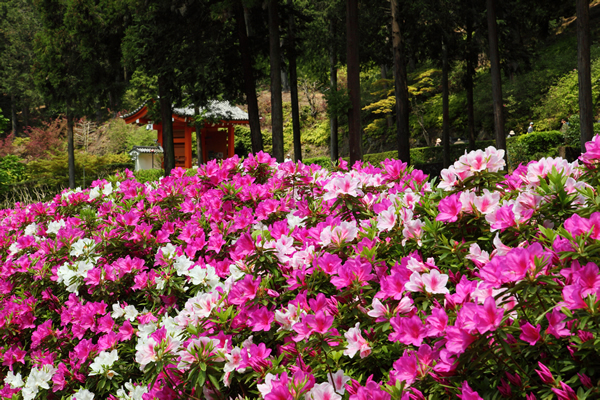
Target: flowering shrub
{"points": [[249, 279]]}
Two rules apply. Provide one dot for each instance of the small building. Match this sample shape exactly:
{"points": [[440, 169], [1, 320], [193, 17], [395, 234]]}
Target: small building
{"points": [[147, 157], [216, 137]]}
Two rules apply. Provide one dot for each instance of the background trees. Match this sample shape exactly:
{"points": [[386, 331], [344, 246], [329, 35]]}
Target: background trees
{"points": [[89, 57]]}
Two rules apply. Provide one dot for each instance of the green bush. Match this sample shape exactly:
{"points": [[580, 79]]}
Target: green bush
{"points": [[534, 146], [149, 175], [55, 169], [12, 170]]}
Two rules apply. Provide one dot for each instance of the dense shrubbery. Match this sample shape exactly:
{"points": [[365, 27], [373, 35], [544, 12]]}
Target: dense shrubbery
{"points": [[247, 279]]}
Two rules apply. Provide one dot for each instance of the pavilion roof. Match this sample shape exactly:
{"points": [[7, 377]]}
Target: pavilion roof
{"points": [[220, 110]]}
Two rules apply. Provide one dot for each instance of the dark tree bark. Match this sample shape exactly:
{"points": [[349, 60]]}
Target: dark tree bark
{"points": [[469, 84], [496, 79], [166, 114], [249, 82], [586, 112], [445, 106], [198, 137], [401, 87], [333, 121], [354, 127], [25, 116], [294, 87], [70, 148], [13, 115], [276, 100]]}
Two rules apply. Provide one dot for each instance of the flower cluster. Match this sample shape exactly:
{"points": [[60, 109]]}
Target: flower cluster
{"points": [[252, 279]]}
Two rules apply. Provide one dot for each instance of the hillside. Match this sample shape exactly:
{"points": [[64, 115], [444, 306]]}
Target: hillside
{"points": [[543, 92]]}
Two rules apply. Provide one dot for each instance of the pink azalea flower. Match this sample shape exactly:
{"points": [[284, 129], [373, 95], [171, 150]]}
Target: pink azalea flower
{"points": [[319, 322], [556, 326], [489, 316], [468, 393], [434, 282], [405, 369], [408, 330], [324, 391], [338, 381], [545, 374], [356, 343], [261, 319], [244, 290], [449, 208], [437, 322], [415, 284], [588, 279], [386, 220], [488, 202], [501, 219], [530, 334], [565, 392]]}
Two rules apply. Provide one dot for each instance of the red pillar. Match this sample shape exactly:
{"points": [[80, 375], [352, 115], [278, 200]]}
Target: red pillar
{"points": [[188, 146]]}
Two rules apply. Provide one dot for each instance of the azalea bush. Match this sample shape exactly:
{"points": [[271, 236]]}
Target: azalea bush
{"points": [[252, 279]]}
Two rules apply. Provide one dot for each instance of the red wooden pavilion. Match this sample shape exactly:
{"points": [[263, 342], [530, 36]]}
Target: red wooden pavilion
{"points": [[217, 138]]}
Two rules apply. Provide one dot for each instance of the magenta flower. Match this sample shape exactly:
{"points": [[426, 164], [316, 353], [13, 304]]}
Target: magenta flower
{"points": [[261, 319], [244, 290], [489, 316], [408, 330], [530, 334], [449, 208], [405, 369], [319, 322], [545, 374], [437, 322], [556, 326], [565, 392], [468, 393]]}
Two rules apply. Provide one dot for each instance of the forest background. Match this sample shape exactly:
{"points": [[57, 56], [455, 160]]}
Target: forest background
{"points": [[70, 68]]}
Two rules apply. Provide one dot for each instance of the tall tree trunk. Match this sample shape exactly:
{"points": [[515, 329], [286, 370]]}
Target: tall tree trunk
{"points": [[276, 100], [25, 116], [445, 105], [198, 136], [469, 83], [354, 128], [249, 82], [333, 119], [13, 115], [496, 79], [401, 87], [294, 87], [586, 112], [70, 147], [166, 114]]}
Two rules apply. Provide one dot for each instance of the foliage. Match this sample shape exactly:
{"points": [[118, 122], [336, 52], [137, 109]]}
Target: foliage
{"points": [[116, 137], [141, 88], [12, 170], [533, 146], [562, 99], [149, 175], [54, 170], [573, 131], [4, 122]]}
